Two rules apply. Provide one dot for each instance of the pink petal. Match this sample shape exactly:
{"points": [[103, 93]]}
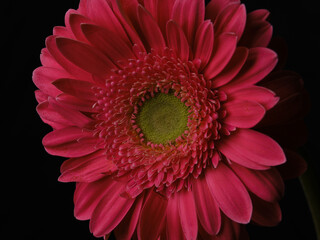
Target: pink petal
{"points": [[258, 32], [203, 43], [47, 60], [76, 88], [85, 57], [259, 64], [40, 96], [264, 96], [160, 11], [62, 32], [113, 46], [74, 22], [207, 209], [66, 115], [126, 12], [69, 66], [188, 215], [232, 68], [151, 30], [174, 229], [265, 213], [110, 211], [88, 195], [152, 217], [230, 194], [101, 13], [177, 40], [243, 161], [43, 78], [249, 145], [231, 19], [267, 185], [75, 103], [128, 224], [66, 142], [189, 15], [243, 114], [49, 116], [56, 116], [223, 50], [86, 169]]}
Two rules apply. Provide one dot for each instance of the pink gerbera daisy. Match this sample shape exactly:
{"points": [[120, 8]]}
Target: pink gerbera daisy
{"points": [[153, 103]]}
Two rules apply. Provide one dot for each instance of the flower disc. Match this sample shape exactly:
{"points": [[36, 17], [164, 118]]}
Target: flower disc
{"points": [[163, 118]]}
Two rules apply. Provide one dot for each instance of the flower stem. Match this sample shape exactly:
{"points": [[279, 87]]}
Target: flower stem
{"points": [[311, 187]]}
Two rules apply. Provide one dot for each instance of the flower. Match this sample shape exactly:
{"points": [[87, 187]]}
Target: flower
{"points": [[154, 102]]}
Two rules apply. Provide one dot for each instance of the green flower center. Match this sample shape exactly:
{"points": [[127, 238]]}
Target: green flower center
{"points": [[163, 118]]}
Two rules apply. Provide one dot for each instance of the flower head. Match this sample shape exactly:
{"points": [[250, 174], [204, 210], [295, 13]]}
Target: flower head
{"points": [[153, 103]]}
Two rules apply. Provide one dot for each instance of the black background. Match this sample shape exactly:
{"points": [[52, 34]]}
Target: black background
{"points": [[35, 205]]}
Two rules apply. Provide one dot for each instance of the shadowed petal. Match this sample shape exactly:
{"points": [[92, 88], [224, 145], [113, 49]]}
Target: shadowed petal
{"points": [[109, 212], [76, 88], [174, 229], [85, 57], [267, 185], [113, 46], [229, 230], [88, 195], [75, 103], [74, 22], [294, 167], [260, 63], [258, 32], [265, 213], [214, 8], [69, 66], [152, 217], [128, 225], [101, 13]]}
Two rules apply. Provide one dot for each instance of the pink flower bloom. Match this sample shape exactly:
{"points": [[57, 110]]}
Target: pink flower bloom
{"points": [[154, 102]]}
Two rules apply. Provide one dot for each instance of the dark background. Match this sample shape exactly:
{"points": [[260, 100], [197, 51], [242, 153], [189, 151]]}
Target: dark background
{"points": [[35, 205]]}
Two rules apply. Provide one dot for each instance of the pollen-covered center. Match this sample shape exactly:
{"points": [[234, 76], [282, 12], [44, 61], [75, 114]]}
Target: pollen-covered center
{"points": [[163, 118]]}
